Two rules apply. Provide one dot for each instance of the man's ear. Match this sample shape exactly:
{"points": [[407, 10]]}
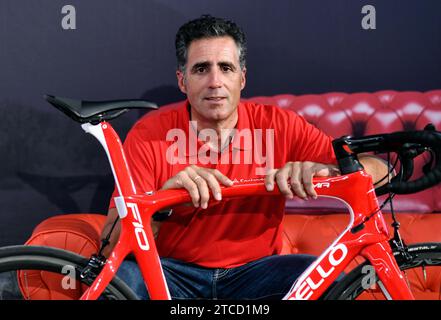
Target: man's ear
{"points": [[181, 81], [243, 79]]}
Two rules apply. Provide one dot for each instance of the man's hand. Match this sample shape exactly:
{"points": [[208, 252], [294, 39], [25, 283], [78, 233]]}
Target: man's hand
{"points": [[198, 182], [300, 176]]}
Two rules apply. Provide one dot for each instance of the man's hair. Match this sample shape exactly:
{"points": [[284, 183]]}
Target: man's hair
{"points": [[205, 27]]}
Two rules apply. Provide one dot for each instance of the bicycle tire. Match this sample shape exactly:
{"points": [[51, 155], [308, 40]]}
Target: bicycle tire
{"points": [[422, 272], [16, 262]]}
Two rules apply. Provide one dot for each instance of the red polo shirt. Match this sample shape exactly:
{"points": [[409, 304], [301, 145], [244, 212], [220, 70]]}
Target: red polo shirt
{"points": [[234, 232]]}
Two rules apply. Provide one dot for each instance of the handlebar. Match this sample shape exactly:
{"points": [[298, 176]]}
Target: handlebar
{"points": [[407, 145]]}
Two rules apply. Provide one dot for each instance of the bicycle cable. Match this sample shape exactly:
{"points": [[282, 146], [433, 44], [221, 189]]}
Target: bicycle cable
{"points": [[98, 260], [360, 226], [106, 241], [397, 241], [387, 176]]}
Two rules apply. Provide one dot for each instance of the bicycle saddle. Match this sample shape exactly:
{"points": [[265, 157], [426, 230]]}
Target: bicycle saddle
{"points": [[96, 111]]}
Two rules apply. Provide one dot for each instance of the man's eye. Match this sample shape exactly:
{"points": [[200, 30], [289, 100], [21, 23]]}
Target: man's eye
{"points": [[226, 68], [201, 69]]}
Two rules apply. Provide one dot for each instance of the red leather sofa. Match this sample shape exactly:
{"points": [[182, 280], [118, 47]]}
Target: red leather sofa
{"points": [[310, 226]]}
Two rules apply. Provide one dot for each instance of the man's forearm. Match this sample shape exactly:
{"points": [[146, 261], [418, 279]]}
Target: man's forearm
{"points": [[376, 167]]}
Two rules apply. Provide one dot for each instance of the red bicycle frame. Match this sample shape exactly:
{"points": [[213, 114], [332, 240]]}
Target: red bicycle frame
{"points": [[355, 190]]}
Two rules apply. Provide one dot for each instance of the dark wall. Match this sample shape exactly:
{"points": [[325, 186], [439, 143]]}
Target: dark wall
{"points": [[125, 49]]}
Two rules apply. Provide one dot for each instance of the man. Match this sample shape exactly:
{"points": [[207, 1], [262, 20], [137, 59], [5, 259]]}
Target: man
{"points": [[230, 249]]}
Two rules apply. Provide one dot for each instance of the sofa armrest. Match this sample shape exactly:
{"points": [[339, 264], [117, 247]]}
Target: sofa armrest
{"points": [[79, 233]]}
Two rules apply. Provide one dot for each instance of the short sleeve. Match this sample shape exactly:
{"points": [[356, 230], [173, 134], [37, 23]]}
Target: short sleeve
{"points": [[307, 142]]}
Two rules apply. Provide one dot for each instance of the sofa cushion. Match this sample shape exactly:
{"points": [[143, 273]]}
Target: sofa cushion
{"points": [[79, 233]]}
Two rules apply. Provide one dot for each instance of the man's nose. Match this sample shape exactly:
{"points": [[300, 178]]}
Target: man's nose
{"points": [[215, 79]]}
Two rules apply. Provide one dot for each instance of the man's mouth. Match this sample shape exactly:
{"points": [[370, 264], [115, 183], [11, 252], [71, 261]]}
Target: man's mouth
{"points": [[215, 98]]}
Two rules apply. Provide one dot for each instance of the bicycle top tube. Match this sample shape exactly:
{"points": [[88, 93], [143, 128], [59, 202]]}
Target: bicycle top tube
{"points": [[353, 189]]}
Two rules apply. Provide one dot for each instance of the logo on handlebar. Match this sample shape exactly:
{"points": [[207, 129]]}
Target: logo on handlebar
{"points": [[320, 185]]}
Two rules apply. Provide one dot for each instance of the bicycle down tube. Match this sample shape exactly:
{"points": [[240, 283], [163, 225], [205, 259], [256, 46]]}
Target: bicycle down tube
{"points": [[355, 190]]}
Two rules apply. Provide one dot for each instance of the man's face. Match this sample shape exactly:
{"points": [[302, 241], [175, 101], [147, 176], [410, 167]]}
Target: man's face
{"points": [[213, 79]]}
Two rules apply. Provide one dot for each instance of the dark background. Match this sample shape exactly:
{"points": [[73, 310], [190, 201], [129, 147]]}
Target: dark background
{"points": [[125, 49]]}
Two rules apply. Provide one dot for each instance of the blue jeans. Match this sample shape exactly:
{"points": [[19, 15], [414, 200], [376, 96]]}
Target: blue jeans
{"points": [[267, 278]]}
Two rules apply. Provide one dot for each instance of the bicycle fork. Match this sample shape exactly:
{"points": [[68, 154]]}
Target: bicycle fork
{"points": [[394, 284]]}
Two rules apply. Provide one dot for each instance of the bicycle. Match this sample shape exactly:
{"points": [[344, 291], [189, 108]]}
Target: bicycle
{"points": [[366, 234]]}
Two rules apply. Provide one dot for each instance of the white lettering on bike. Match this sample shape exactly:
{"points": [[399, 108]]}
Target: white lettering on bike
{"points": [[320, 185], [235, 180], [306, 289], [141, 236], [344, 252], [316, 185]]}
